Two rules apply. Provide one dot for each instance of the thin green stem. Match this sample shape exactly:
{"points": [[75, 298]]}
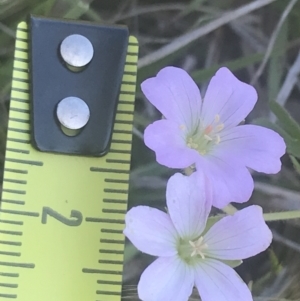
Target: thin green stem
{"points": [[269, 217], [229, 209], [280, 216]]}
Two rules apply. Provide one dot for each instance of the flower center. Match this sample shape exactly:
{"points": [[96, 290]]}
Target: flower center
{"points": [[191, 251], [198, 246], [204, 138]]}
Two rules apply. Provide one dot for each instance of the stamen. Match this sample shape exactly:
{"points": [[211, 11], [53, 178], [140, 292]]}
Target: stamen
{"points": [[207, 137], [192, 144], [220, 127], [198, 247], [203, 138]]}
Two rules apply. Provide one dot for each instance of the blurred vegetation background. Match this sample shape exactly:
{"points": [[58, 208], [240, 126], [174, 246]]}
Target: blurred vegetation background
{"points": [[259, 41]]}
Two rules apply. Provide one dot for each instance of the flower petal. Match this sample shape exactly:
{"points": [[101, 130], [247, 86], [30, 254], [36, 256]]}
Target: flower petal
{"points": [[174, 93], [229, 98], [230, 183], [151, 231], [168, 142], [253, 146], [240, 236], [166, 279], [217, 281], [189, 203]]}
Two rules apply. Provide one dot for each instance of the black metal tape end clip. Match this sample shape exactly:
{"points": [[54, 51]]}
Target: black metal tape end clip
{"points": [[76, 74]]}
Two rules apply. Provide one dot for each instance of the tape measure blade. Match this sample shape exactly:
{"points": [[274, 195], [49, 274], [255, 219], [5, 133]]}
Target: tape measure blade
{"points": [[62, 217]]}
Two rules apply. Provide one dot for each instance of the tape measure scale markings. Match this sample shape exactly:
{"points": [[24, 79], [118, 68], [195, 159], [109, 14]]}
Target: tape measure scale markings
{"points": [[61, 216]]}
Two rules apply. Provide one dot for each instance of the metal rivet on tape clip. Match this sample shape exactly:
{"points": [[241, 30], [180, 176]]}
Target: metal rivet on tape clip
{"points": [[73, 113], [76, 50]]}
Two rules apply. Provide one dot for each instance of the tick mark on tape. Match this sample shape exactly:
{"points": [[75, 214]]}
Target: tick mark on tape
{"points": [[37, 163], [95, 271], [108, 293], [104, 220], [11, 285], [19, 265], [15, 275], [109, 282], [10, 296], [4, 221], [106, 251], [26, 213], [17, 254], [10, 243]]}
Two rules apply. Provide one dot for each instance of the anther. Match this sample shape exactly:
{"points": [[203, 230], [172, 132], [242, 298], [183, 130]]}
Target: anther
{"points": [[198, 247], [220, 127], [207, 138], [217, 118]]}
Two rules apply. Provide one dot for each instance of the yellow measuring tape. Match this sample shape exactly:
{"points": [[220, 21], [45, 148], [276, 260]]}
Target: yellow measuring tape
{"points": [[61, 216]]}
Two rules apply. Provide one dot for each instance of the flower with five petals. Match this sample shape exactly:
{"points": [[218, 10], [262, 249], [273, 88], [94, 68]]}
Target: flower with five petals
{"points": [[207, 133], [190, 253]]}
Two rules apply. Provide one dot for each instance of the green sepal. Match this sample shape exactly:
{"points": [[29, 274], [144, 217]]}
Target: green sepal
{"points": [[232, 263], [211, 221]]}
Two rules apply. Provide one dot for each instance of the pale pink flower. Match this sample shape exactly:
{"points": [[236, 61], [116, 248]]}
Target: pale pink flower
{"points": [[207, 133], [189, 253]]}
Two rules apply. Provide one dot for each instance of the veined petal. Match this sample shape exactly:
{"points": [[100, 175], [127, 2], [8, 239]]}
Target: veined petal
{"points": [[253, 146], [228, 98], [230, 183], [168, 141], [166, 279], [240, 236], [151, 231], [217, 281], [174, 93], [189, 200]]}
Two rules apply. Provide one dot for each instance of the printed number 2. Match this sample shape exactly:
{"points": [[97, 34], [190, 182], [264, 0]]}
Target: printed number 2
{"points": [[73, 221]]}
